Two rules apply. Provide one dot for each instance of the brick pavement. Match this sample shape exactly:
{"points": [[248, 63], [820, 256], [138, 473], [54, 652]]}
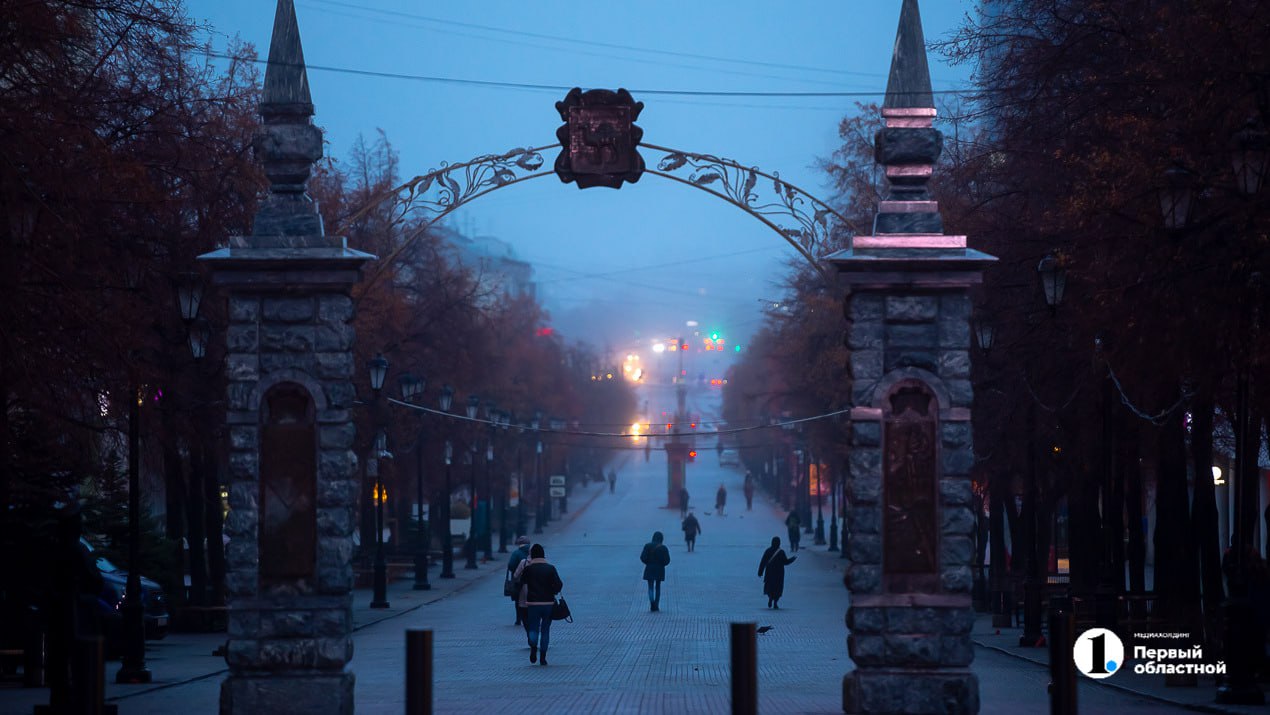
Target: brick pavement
{"points": [[617, 657]]}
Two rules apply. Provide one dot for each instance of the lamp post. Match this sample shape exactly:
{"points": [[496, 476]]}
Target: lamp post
{"points": [[487, 512], [379, 599], [833, 513], [447, 547], [820, 501], [473, 408], [538, 492], [504, 421], [521, 521], [133, 668], [412, 387], [557, 426]]}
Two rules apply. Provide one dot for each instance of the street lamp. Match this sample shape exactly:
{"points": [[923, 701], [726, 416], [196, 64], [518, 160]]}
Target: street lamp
{"points": [[189, 294], [133, 668], [487, 511], [447, 546], [473, 409], [200, 335], [833, 511], [1053, 280], [412, 387], [378, 370], [1250, 157], [985, 335], [504, 421], [557, 426]]}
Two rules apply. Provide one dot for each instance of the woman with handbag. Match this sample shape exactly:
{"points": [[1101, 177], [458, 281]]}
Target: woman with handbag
{"points": [[541, 582]]}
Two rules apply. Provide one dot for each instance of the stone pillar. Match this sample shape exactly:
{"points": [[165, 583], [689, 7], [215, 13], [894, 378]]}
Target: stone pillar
{"points": [[911, 522], [292, 472]]}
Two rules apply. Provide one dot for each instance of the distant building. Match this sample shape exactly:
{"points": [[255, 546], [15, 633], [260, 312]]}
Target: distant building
{"points": [[493, 260]]}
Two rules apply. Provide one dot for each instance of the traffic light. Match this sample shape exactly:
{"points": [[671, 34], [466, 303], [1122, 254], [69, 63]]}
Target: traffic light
{"points": [[692, 455]]}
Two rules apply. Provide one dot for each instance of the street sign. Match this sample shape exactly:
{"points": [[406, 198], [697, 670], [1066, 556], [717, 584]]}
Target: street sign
{"points": [[556, 491], [557, 480]]}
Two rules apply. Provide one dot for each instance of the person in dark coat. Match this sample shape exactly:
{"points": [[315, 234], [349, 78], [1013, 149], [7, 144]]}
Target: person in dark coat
{"points": [[691, 527], [773, 564], [683, 502], [720, 499], [520, 554], [793, 523], [655, 558], [541, 584], [749, 491]]}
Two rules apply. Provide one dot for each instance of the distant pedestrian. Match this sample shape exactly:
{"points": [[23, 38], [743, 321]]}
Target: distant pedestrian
{"points": [[612, 481], [749, 492], [655, 558], [542, 583], [792, 523], [720, 499], [772, 570], [513, 562], [691, 527], [683, 502]]}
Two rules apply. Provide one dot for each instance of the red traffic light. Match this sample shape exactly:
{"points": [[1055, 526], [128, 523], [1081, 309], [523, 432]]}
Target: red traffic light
{"points": [[692, 455]]}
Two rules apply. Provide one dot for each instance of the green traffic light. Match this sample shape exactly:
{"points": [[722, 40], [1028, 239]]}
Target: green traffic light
{"points": [[738, 348], [714, 336]]}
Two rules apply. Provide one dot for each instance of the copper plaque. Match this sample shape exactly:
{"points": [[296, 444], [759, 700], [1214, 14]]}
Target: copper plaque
{"points": [[288, 486], [909, 473]]}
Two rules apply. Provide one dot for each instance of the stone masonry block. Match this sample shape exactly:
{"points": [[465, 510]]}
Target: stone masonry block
{"points": [[333, 653], [954, 333], [335, 550], [955, 305], [910, 357], [275, 362], [960, 392], [244, 496], [957, 621], [244, 438], [955, 434], [244, 309], [911, 308], [238, 394], [240, 581], [242, 338], [865, 462], [287, 338], [288, 310], [956, 579], [332, 622], [957, 520], [958, 461], [915, 651], [337, 436], [243, 623], [335, 521], [242, 366], [325, 692], [864, 335], [956, 651], [286, 624], [866, 365], [864, 490], [866, 620], [863, 578], [244, 465], [335, 579], [903, 335], [336, 493], [866, 434], [333, 337], [955, 491], [864, 519], [240, 526], [867, 649], [954, 363], [865, 306], [335, 309], [862, 392], [331, 366], [865, 549], [956, 551], [910, 620], [335, 465], [339, 395]]}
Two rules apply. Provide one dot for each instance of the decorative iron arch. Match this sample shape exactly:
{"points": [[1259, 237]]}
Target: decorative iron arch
{"points": [[802, 220]]}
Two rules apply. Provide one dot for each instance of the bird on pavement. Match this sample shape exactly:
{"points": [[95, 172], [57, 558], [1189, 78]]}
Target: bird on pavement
{"points": [[763, 629]]}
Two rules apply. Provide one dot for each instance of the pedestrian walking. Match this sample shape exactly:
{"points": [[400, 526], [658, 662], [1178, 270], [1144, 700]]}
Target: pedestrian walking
{"points": [[691, 528], [772, 571], [541, 584], [749, 492], [655, 558], [513, 562], [612, 481], [683, 502], [792, 523], [720, 499]]}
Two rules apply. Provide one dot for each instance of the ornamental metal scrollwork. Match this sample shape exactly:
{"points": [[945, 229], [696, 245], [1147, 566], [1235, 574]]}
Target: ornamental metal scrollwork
{"points": [[807, 223]]}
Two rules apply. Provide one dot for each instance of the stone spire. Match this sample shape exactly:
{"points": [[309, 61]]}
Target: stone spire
{"points": [[288, 144], [909, 83]]}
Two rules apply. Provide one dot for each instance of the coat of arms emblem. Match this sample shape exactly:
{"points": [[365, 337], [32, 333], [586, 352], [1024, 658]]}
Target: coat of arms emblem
{"points": [[599, 138]]}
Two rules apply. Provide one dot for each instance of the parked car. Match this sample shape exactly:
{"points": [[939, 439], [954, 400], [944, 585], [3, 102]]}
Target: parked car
{"points": [[154, 602], [729, 458]]}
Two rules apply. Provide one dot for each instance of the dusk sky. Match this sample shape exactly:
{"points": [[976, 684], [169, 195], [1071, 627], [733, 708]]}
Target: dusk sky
{"points": [[614, 267]]}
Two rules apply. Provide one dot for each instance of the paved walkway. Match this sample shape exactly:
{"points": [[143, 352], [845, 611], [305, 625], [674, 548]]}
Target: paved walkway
{"points": [[617, 657]]}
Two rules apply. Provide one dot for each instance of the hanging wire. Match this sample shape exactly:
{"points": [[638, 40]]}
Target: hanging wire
{"points": [[1041, 404], [586, 433], [1157, 419]]}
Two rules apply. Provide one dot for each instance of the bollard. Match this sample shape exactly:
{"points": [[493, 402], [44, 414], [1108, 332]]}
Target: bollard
{"points": [[1062, 687], [418, 672], [744, 669]]}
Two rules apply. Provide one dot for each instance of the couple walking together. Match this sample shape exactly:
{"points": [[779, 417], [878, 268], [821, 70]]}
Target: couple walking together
{"points": [[536, 597]]}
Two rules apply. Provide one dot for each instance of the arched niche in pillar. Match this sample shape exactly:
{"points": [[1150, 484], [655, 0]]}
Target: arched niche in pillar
{"points": [[910, 488], [288, 487]]}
